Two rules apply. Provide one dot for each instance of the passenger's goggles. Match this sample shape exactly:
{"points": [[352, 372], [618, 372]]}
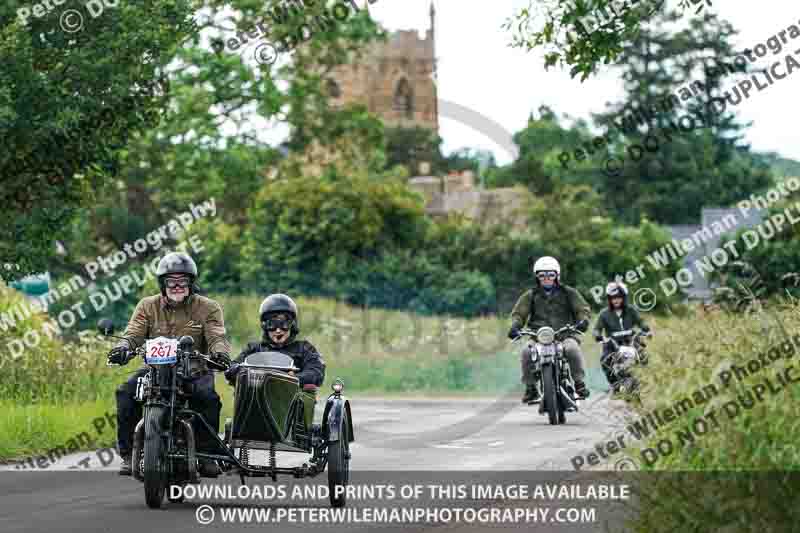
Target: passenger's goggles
{"points": [[172, 283], [550, 274], [278, 323]]}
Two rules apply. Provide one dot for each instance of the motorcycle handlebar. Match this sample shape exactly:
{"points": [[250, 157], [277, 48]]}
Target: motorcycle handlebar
{"points": [[531, 333]]}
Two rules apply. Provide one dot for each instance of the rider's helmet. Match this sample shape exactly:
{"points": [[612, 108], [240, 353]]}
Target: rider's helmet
{"points": [[616, 289], [279, 303], [547, 264], [176, 263]]}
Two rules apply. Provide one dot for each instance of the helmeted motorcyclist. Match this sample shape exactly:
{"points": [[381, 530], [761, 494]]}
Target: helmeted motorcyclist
{"points": [[280, 325], [618, 316], [177, 311], [552, 304]]}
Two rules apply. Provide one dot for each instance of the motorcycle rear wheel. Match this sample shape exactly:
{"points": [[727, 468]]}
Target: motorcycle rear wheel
{"points": [[155, 465]]}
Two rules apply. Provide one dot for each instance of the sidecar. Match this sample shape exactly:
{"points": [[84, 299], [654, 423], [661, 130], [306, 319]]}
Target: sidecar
{"points": [[273, 413]]}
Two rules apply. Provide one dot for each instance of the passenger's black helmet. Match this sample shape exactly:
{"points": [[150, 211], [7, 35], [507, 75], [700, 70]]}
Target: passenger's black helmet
{"points": [[176, 263], [279, 303]]}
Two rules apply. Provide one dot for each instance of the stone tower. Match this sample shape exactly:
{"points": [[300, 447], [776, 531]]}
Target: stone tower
{"points": [[396, 79]]}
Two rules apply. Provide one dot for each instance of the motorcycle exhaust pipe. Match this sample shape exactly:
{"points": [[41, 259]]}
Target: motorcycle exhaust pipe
{"points": [[138, 447]]}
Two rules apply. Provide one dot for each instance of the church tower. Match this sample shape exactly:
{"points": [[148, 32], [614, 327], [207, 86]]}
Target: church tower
{"points": [[395, 79]]}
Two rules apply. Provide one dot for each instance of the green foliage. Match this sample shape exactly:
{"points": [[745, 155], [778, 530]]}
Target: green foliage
{"points": [[707, 166], [558, 27], [591, 246], [742, 459], [69, 102]]}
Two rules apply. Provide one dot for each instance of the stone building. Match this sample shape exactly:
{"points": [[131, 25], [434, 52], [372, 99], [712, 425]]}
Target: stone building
{"points": [[396, 79]]}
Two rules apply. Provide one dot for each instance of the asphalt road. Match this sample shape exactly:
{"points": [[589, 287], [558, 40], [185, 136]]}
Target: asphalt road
{"points": [[398, 442]]}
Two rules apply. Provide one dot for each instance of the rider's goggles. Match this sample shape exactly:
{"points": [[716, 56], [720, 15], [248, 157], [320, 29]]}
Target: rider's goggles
{"points": [[547, 275], [278, 323], [172, 283]]}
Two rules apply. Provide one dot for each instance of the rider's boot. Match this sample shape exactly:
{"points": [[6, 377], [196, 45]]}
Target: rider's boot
{"points": [[531, 394], [209, 468], [581, 390], [125, 467]]}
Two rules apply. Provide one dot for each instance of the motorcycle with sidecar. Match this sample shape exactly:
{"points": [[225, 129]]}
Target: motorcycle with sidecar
{"points": [[271, 413]]}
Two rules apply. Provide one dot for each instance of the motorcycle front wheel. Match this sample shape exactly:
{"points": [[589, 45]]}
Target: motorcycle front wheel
{"points": [[155, 464], [550, 396]]}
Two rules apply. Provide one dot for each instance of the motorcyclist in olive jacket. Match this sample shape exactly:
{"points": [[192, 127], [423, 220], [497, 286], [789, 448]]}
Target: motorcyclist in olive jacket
{"points": [[555, 305], [280, 326]]}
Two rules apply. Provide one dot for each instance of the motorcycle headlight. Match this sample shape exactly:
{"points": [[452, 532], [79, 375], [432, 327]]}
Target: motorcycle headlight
{"points": [[546, 335]]}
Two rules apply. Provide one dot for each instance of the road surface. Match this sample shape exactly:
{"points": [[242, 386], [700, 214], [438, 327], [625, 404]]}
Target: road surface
{"points": [[398, 441]]}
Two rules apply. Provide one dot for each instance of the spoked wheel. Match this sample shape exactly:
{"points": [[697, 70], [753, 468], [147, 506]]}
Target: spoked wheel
{"points": [[550, 396], [339, 464], [155, 464]]}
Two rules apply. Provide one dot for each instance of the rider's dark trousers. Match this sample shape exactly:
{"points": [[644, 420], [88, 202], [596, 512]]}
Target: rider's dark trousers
{"points": [[572, 351], [204, 400]]}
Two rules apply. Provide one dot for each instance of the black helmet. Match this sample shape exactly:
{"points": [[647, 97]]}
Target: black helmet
{"points": [[176, 263], [616, 289], [279, 303]]}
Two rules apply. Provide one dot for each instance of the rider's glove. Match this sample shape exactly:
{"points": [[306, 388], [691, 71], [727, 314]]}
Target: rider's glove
{"points": [[582, 326], [513, 333], [221, 358], [119, 355], [230, 374]]}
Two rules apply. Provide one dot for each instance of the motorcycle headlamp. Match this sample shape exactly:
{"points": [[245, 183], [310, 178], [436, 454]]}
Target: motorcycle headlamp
{"points": [[545, 335]]}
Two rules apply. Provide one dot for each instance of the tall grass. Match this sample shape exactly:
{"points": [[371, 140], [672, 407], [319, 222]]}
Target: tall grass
{"points": [[736, 474]]}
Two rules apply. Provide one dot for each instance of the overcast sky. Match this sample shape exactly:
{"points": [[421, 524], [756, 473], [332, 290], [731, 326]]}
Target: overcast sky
{"points": [[479, 70]]}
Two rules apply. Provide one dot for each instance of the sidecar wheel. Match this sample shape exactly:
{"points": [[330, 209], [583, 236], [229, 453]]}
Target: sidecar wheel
{"points": [[155, 467], [339, 465]]}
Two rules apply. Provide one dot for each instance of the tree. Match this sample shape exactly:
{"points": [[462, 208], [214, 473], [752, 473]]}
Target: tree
{"points": [[68, 103], [410, 146], [694, 156], [206, 145], [537, 166], [582, 33]]}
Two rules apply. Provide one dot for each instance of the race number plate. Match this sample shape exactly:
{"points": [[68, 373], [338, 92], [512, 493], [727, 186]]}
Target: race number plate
{"points": [[161, 351]]}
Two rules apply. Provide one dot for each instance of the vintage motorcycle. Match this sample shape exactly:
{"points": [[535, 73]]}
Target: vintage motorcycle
{"points": [[627, 349], [271, 412], [552, 370]]}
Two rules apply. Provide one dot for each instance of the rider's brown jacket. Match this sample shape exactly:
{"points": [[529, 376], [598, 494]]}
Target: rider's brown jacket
{"points": [[198, 316]]}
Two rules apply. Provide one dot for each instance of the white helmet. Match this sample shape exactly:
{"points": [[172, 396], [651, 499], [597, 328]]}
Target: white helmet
{"points": [[616, 288], [546, 264]]}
